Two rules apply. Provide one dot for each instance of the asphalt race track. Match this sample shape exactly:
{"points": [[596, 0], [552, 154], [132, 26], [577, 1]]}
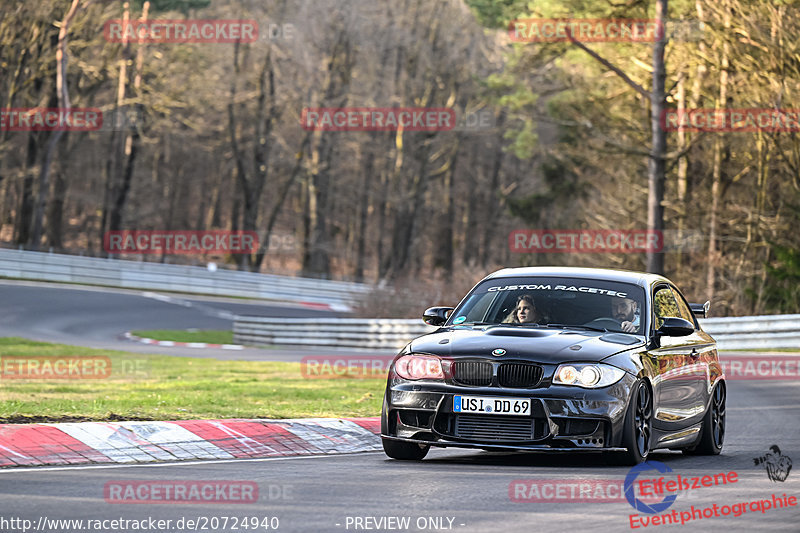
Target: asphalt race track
{"points": [[472, 488], [98, 317], [451, 490]]}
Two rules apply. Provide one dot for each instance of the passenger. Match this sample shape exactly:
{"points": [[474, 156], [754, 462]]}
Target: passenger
{"points": [[525, 312], [626, 311]]}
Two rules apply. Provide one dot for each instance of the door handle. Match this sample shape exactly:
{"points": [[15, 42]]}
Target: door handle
{"points": [[695, 354]]}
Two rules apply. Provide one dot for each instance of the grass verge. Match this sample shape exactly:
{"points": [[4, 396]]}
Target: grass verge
{"points": [[158, 387], [178, 335]]}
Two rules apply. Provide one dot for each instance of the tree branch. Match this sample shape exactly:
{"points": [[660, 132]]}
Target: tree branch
{"points": [[616, 70]]}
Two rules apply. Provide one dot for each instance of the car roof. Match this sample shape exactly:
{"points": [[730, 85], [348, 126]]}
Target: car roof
{"points": [[642, 279]]}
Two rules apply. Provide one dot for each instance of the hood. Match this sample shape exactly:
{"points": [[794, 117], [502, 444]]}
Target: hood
{"points": [[544, 345]]}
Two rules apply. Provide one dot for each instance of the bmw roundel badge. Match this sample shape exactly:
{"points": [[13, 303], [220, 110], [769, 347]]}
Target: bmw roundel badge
{"points": [[498, 352]]}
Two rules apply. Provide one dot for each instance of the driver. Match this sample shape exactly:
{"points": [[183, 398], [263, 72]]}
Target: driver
{"points": [[626, 311]]}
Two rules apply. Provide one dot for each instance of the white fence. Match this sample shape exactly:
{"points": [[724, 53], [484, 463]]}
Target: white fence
{"points": [[757, 332], [157, 276]]}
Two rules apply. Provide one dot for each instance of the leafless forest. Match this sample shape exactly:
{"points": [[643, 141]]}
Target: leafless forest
{"points": [[555, 135]]}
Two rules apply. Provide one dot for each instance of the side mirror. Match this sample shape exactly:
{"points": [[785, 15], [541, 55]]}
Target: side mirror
{"points": [[436, 316], [675, 327], [700, 310]]}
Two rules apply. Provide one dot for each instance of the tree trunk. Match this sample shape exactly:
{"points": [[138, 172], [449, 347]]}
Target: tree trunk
{"points": [[305, 202], [132, 137], [383, 208], [656, 168], [471, 238], [263, 246], [339, 74], [26, 203], [235, 214], [214, 219], [719, 148], [266, 118], [683, 175], [406, 219], [494, 199], [114, 164], [318, 258], [363, 208], [443, 245], [62, 91], [55, 210]]}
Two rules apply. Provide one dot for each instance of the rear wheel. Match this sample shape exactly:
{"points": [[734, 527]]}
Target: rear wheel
{"points": [[404, 451], [712, 436], [637, 434]]}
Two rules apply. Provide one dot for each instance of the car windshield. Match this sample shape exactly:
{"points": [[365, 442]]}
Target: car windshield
{"points": [[585, 304]]}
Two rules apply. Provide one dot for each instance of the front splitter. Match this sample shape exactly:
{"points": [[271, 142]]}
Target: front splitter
{"points": [[508, 447]]}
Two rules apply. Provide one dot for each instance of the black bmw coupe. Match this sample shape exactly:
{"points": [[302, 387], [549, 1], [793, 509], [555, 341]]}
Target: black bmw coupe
{"points": [[560, 359]]}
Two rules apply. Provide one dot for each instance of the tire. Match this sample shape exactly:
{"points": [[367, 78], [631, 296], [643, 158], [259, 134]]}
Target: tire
{"points": [[637, 434], [712, 436], [404, 451]]}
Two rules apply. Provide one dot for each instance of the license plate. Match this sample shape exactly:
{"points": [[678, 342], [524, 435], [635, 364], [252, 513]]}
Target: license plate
{"points": [[489, 405]]}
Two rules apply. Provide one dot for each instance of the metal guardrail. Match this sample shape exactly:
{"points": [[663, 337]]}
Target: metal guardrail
{"points": [[757, 332], [377, 333], [754, 332], [158, 276]]}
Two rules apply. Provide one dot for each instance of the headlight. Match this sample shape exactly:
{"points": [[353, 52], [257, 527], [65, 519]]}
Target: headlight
{"points": [[589, 375], [419, 367]]}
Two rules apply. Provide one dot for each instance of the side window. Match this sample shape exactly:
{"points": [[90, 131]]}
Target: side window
{"points": [[664, 305], [683, 307], [479, 306]]}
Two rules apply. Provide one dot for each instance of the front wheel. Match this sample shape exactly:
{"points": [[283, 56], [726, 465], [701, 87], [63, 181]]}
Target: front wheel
{"points": [[712, 436], [404, 451], [637, 431]]}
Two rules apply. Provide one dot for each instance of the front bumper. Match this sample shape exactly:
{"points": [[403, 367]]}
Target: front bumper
{"points": [[563, 418]]}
